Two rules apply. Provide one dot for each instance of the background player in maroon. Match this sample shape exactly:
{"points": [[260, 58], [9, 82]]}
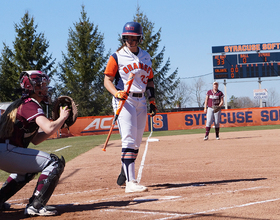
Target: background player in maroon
{"points": [[23, 122], [214, 97]]}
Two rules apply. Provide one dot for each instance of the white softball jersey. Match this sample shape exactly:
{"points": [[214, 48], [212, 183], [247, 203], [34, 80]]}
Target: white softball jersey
{"points": [[123, 62], [132, 119]]}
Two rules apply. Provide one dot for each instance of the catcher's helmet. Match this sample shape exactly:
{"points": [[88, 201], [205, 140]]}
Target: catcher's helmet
{"points": [[132, 29], [32, 78]]}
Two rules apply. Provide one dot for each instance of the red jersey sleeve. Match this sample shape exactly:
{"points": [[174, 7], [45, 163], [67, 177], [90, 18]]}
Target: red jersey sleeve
{"points": [[30, 111], [151, 74], [112, 67]]}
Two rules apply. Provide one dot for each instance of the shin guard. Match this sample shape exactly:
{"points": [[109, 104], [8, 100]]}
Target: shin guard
{"points": [[40, 198]]}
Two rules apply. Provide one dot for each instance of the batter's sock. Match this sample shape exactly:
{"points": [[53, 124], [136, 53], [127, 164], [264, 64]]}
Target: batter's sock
{"points": [[217, 131], [128, 158], [129, 169], [207, 131]]}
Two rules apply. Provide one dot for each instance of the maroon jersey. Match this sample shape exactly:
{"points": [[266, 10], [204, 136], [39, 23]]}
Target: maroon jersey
{"points": [[25, 126], [214, 98]]}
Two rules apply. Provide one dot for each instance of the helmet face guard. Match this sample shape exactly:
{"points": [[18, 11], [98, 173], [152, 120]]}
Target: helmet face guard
{"points": [[35, 81], [47, 98], [132, 29]]}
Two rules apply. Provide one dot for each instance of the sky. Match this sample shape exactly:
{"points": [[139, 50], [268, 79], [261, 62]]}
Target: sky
{"points": [[189, 30]]}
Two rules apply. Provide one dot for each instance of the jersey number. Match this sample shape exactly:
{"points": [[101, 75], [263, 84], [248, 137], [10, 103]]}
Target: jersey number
{"points": [[144, 79]]}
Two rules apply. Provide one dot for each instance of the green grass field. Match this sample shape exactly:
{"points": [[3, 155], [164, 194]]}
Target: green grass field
{"points": [[82, 144]]}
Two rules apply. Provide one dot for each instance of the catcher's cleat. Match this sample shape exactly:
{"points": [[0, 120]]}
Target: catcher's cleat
{"points": [[133, 186], [217, 138], [206, 138], [43, 211]]}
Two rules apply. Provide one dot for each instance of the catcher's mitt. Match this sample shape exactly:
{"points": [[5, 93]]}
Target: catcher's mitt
{"points": [[216, 108], [65, 101]]}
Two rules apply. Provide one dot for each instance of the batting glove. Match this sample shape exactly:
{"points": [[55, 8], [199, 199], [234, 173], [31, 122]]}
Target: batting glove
{"points": [[153, 108], [121, 95]]}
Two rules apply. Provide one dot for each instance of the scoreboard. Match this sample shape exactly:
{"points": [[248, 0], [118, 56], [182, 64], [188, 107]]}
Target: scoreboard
{"points": [[246, 65], [252, 63]]}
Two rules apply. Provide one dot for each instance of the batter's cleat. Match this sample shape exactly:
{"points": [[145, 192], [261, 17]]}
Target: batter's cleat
{"points": [[133, 186], [123, 185], [43, 211], [5, 206], [217, 138], [121, 179], [206, 138]]}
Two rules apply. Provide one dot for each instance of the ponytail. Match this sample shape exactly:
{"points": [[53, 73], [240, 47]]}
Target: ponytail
{"points": [[121, 47], [8, 119]]}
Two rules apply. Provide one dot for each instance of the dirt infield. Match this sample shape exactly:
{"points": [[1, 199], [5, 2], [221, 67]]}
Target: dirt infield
{"points": [[236, 177]]}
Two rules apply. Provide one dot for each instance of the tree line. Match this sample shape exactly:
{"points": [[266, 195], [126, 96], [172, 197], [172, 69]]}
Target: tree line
{"points": [[80, 74], [193, 94]]}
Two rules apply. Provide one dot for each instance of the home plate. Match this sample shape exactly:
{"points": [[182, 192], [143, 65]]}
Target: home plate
{"points": [[154, 198], [153, 140]]}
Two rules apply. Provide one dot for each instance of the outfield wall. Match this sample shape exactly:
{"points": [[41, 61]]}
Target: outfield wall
{"points": [[95, 125]]}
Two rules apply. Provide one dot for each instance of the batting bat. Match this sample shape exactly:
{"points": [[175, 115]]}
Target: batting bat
{"points": [[120, 105]]}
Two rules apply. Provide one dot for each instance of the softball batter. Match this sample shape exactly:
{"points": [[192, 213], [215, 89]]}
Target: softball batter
{"points": [[132, 119], [213, 98], [19, 126]]}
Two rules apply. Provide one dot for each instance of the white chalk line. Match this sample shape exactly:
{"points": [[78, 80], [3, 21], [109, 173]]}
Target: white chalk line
{"points": [[142, 162], [220, 209], [155, 198], [54, 195], [176, 215], [144, 154], [63, 148], [129, 195], [169, 215], [211, 194], [14, 201]]}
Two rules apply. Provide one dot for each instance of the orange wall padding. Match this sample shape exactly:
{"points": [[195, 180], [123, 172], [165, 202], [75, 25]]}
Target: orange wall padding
{"points": [[96, 125]]}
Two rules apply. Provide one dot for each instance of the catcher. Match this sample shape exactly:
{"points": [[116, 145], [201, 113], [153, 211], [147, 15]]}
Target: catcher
{"points": [[214, 101], [23, 122]]}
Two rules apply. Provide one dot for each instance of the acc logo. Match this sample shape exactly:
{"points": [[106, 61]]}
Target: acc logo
{"points": [[100, 124]]}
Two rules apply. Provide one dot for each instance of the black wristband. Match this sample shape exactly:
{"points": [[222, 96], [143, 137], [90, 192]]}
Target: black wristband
{"points": [[150, 92]]}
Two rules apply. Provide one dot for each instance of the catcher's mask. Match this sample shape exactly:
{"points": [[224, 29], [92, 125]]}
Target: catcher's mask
{"points": [[132, 29], [35, 81]]}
